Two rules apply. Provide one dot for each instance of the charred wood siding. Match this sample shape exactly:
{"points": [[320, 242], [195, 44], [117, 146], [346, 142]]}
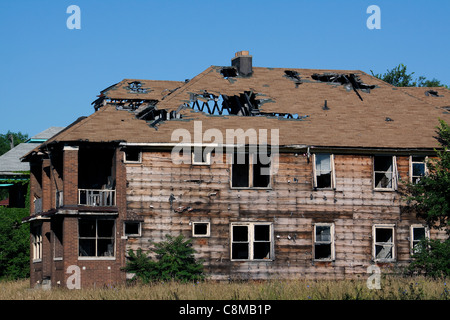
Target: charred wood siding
{"points": [[168, 198]]}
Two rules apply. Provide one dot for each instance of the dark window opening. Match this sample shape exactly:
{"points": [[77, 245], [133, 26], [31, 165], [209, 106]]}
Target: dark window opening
{"points": [[132, 228], [96, 237], [132, 155], [323, 242], [261, 173], [240, 170], [323, 170], [200, 229], [383, 172]]}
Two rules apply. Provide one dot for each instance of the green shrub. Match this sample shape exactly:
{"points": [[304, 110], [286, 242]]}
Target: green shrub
{"points": [[431, 258], [175, 261]]}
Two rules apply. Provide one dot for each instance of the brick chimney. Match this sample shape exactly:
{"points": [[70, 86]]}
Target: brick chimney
{"points": [[242, 61]]}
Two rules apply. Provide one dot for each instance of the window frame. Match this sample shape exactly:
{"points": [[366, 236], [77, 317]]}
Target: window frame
{"points": [[394, 184], [332, 173], [411, 165], [114, 237], [331, 242], [412, 241], [208, 229], [132, 235], [207, 161], [378, 243], [251, 156], [251, 240], [125, 160], [36, 240]]}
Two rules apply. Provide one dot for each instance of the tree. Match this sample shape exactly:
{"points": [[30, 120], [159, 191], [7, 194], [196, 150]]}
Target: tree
{"points": [[176, 261], [430, 199], [399, 77], [5, 140]]}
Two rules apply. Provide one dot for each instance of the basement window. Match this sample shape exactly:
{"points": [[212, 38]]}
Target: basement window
{"points": [[96, 237], [324, 241], [251, 170], [251, 241], [200, 229], [132, 228], [383, 243], [418, 168], [133, 156], [385, 172], [418, 233], [323, 169]]}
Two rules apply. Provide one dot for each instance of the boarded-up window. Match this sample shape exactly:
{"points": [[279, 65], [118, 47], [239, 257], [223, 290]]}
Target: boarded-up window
{"points": [[383, 243], [385, 172], [323, 241], [323, 169], [251, 241]]}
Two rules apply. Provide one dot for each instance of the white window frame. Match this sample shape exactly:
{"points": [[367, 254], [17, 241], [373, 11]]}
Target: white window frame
{"points": [[132, 234], [331, 242], [37, 243], [207, 154], [333, 173], [394, 184], [132, 161], [412, 241], [251, 156], [251, 240], [97, 238], [376, 243], [411, 162], [208, 229]]}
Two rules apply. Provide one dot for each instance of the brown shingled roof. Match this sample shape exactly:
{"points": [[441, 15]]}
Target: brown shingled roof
{"points": [[385, 117]]}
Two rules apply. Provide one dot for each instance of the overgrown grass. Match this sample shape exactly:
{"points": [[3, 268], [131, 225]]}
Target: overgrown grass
{"points": [[417, 288]]}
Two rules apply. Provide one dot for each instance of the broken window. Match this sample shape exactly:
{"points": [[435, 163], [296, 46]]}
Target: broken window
{"points": [[323, 168], [383, 243], [36, 235], [132, 228], [200, 229], [133, 155], [96, 237], [251, 241], [201, 156], [385, 172], [324, 241], [250, 170], [418, 233], [418, 168]]}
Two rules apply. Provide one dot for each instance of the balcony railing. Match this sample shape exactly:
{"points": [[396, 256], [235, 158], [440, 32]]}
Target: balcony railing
{"points": [[97, 197]]}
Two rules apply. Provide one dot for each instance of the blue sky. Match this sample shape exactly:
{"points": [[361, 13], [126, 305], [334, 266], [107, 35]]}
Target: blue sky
{"points": [[49, 74]]}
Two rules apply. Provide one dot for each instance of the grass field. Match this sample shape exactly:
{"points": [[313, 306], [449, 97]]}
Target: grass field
{"points": [[392, 288]]}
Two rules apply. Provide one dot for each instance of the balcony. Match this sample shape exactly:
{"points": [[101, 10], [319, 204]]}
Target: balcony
{"points": [[97, 197]]}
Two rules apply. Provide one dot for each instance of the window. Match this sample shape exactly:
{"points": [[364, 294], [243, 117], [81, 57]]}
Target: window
{"points": [[418, 168], [200, 229], [133, 156], [57, 238], [201, 157], [418, 233], [323, 168], [36, 234], [324, 241], [383, 243], [385, 172], [132, 228], [250, 170], [96, 237], [251, 241]]}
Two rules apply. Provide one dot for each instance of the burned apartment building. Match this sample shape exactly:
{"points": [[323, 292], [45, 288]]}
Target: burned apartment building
{"points": [[272, 172]]}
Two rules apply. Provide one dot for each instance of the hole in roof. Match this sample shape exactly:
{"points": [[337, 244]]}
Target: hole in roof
{"points": [[229, 72]]}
